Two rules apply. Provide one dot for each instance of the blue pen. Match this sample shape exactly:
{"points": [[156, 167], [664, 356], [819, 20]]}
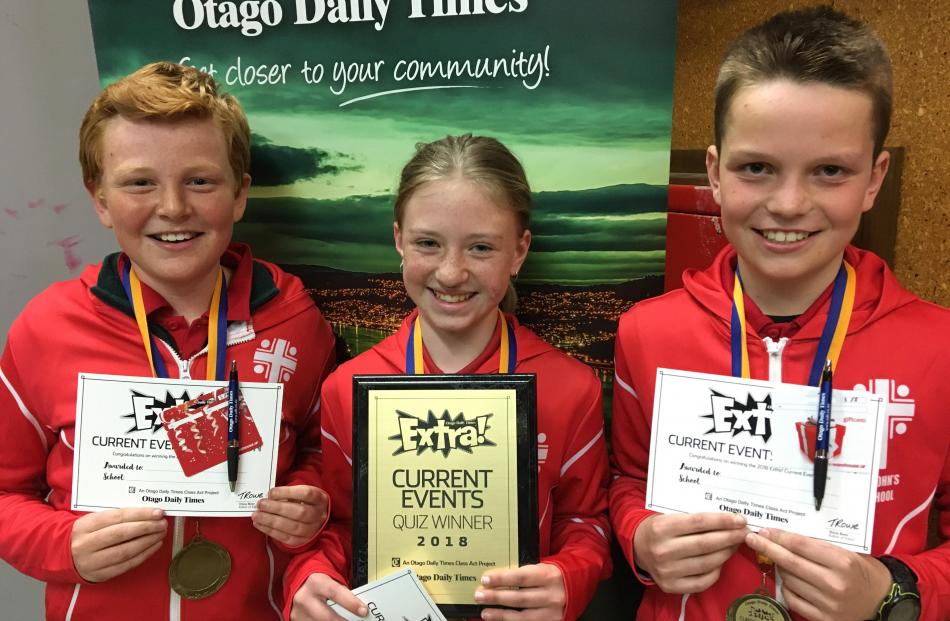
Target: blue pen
{"points": [[234, 424], [822, 437]]}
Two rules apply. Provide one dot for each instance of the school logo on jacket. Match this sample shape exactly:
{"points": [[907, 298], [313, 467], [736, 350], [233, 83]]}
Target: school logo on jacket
{"points": [[276, 360], [543, 448], [898, 406]]}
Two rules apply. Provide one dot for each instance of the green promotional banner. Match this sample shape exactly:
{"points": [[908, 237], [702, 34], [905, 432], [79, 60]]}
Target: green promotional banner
{"points": [[339, 92]]}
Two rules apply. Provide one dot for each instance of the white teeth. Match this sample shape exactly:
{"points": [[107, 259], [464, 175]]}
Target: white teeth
{"points": [[784, 237], [452, 298], [175, 237]]}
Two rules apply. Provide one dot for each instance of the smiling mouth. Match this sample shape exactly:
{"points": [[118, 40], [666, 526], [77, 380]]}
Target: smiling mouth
{"points": [[452, 299], [783, 237], [175, 238]]}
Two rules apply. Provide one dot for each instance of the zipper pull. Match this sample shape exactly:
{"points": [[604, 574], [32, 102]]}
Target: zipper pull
{"points": [[775, 350], [183, 370]]}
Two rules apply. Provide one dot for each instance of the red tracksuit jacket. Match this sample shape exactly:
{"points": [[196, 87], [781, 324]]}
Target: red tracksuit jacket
{"points": [[897, 346], [572, 462], [85, 325]]}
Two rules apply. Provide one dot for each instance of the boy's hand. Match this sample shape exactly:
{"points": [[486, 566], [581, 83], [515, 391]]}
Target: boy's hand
{"points": [[821, 581], [310, 600], [292, 514], [684, 553], [537, 589], [109, 543]]}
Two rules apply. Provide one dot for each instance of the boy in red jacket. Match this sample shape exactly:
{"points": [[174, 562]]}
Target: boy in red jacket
{"points": [[803, 106], [165, 159]]}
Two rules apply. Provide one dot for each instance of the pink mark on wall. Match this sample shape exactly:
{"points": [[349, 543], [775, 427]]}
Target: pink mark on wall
{"points": [[68, 244], [13, 213], [41, 202]]}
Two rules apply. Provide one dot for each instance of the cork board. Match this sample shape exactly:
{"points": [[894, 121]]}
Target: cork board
{"points": [[917, 34]]}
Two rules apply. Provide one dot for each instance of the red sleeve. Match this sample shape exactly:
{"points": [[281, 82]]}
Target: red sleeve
{"points": [[331, 551], [308, 458], [580, 530], [630, 439], [933, 566], [325, 558], [34, 537]]}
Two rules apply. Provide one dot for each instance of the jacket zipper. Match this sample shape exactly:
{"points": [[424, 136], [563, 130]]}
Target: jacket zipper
{"points": [[775, 375], [775, 357], [178, 532], [184, 372]]}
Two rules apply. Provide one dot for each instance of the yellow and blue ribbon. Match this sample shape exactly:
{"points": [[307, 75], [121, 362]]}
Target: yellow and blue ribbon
{"points": [[507, 357], [217, 325], [832, 335]]}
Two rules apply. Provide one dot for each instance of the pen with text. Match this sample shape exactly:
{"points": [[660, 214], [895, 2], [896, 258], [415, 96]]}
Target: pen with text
{"points": [[822, 437], [233, 426]]}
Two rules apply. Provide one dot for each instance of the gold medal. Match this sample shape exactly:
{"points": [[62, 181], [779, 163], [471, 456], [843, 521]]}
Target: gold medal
{"points": [[199, 569], [758, 606]]}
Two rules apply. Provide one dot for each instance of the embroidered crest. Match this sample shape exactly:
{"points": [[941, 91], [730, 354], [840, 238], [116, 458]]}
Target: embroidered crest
{"points": [[543, 448], [276, 360], [898, 407]]}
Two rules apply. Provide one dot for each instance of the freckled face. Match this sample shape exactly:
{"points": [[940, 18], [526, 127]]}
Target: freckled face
{"points": [[460, 247], [168, 193], [795, 172]]}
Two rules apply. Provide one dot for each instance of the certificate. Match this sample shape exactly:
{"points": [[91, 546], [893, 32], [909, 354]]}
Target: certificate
{"points": [[162, 443], [398, 596], [744, 446], [445, 480]]}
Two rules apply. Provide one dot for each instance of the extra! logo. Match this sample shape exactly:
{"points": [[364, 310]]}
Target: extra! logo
{"points": [[276, 360], [146, 409], [729, 415], [441, 434]]}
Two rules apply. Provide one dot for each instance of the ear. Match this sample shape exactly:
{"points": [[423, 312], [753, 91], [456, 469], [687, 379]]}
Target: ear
{"points": [[878, 172], [712, 171], [240, 201], [397, 237], [521, 251], [98, 203]]}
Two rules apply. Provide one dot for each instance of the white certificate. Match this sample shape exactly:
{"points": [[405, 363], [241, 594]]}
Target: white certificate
{"points": [[721, 443], [399, 596], [162, 442]]}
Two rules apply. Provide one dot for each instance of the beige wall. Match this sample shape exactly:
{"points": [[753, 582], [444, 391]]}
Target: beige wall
{"points": [[917, 33]]}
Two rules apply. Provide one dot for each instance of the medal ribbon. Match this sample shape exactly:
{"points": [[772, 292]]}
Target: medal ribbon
{"points": [[507, 357], [832, 335], [217, 325]]}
